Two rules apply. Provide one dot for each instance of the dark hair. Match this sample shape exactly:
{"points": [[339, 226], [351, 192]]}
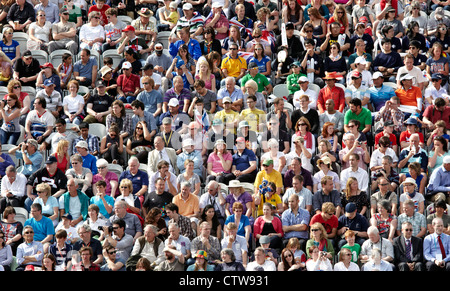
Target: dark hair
{"points": [[440, 203], [138, 104], [42, 101], [215, 218], [108, 61], [172, 207], [61, 120], [385, 29], [120, 222], [83, 125], [88, 52], [356, 102], [385, 40], [443, 141]]}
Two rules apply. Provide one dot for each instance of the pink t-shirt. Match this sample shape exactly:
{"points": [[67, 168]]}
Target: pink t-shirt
{"points": [[110, 176], [216, 164]]}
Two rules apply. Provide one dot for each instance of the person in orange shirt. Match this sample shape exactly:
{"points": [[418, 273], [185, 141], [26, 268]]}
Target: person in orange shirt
{"points": [[188, 204], [409, 95], [331, 91]]}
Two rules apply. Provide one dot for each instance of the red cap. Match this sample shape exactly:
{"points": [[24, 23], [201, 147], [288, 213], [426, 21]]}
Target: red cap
{"points": [[363, 19], [129, 28], [47, 65]]}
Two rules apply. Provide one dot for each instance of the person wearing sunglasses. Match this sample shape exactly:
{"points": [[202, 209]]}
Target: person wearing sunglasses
{"points": [[113, 262], [30, 252], [92, 34], [118, 239], [408, 250]]}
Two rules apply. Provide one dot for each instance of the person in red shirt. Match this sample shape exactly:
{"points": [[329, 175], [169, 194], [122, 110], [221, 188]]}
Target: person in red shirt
{"points": [[327, 217], [100, 6], [331, 91], [128, 84], [388, 130], [411, 127], [438, 111]]}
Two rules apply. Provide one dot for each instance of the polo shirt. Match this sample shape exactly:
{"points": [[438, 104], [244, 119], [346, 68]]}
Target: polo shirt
{"points": [[85, 70], [128, 84], [138, 180], [410, 96], [335, 93], [90, 162], [234, 66], [186, 207], [260, 80], [242, 162], [364, 117], [253, 117]]}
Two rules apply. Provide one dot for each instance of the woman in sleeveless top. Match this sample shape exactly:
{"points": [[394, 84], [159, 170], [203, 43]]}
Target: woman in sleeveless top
{"points": [[10, 113]]}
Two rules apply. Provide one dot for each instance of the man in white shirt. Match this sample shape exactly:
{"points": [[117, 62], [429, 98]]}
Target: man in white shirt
{"points": [[435, 91], [419, 80], [235, 242], [260, 263], [13, 189], [304, 90], [215, 197], [355, 171]]}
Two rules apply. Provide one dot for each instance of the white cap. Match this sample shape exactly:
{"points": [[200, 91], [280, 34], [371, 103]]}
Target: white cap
{"points": [[303, 79], [188, 142], [377, 75], [217, 4], [360, 60], [446, 160], [173, 102], [188, 6], [126, 65], [407, 77]]}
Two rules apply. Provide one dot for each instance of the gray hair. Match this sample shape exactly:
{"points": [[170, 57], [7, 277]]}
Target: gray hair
{"points": [[102, 163], [152, 228], [229, 252], [76, 157], [185, 184]]}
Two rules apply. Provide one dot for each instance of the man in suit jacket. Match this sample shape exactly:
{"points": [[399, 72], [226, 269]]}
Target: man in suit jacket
{"points": [[161, 153], [436, 248], [413, 261]]}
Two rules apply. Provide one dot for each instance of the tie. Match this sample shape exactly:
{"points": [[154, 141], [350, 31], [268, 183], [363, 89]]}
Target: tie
{"points": [[408, 250], [442, 247]]}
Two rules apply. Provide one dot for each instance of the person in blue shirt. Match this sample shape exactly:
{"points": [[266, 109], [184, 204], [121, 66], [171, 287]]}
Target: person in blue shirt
{"points": [[295, 221], [138, 178], [352, 220], [380, 93], [185, 38], [436, 248], [439, 184], [387, 62], [151, 98], [28, 152]]}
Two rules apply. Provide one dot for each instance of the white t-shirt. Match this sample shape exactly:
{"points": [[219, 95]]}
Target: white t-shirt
{"points": [[73, 103], [88, 32], [39, 124], [267, 266]]}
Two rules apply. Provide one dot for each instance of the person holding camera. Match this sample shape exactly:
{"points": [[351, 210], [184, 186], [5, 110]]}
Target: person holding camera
{"points": [[28, 152], [115, 236], [353, 147], [319, 260]]}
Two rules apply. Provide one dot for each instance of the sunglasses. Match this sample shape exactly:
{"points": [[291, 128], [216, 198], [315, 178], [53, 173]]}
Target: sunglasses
{"points": [[103, 167], [315, 229], [112, 253]]}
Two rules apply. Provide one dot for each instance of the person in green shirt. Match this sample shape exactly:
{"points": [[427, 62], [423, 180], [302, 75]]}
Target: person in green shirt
{"points": [[292, 80], [264, 85], [75, 14], [351, 245], [363, 115]]}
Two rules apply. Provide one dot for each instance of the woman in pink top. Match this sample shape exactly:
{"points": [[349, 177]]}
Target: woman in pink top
{"points": [[219, 163], [111, 179]]}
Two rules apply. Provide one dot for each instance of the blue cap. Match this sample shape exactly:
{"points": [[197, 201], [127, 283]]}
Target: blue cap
{"points": [[436, 76], [48, 82], [350, 207], [411, 121], [180, 62]]}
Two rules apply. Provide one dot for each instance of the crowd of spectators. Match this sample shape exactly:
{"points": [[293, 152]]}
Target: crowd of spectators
{"points": [[297, 135]]}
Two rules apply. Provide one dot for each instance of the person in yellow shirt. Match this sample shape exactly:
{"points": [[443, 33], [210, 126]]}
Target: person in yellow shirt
{"points": [[253, 115], [229, 117], [270, 197], [233, 65], [271, 175]]}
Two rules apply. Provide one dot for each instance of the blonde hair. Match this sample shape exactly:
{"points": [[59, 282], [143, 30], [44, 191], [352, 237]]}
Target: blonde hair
{"points": [[60, 147], [127, 182]]}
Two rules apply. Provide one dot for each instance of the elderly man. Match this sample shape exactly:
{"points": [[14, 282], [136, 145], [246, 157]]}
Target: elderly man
{"points": [[178, 241], [66, 204], [408, 250], [234, 93], [436, 248], [138, 177], [354, 147], [413, 153], [215, 197], [235, 242], [13, 189], [439, 183], [162, 152], [376, 241], [134, 227], [418, 220], [29, 154], [149, 246]]}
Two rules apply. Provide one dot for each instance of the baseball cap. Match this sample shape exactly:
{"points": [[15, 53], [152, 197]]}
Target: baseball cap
{"points": [[126, 65], [51, 160], [350, 207], [267, 162], [82, 144], [173, 102], [129, 28], [48, 82], [227, 99], [377, 75], [27, 54], [100, 83], [47, 65], [188, 6]]}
